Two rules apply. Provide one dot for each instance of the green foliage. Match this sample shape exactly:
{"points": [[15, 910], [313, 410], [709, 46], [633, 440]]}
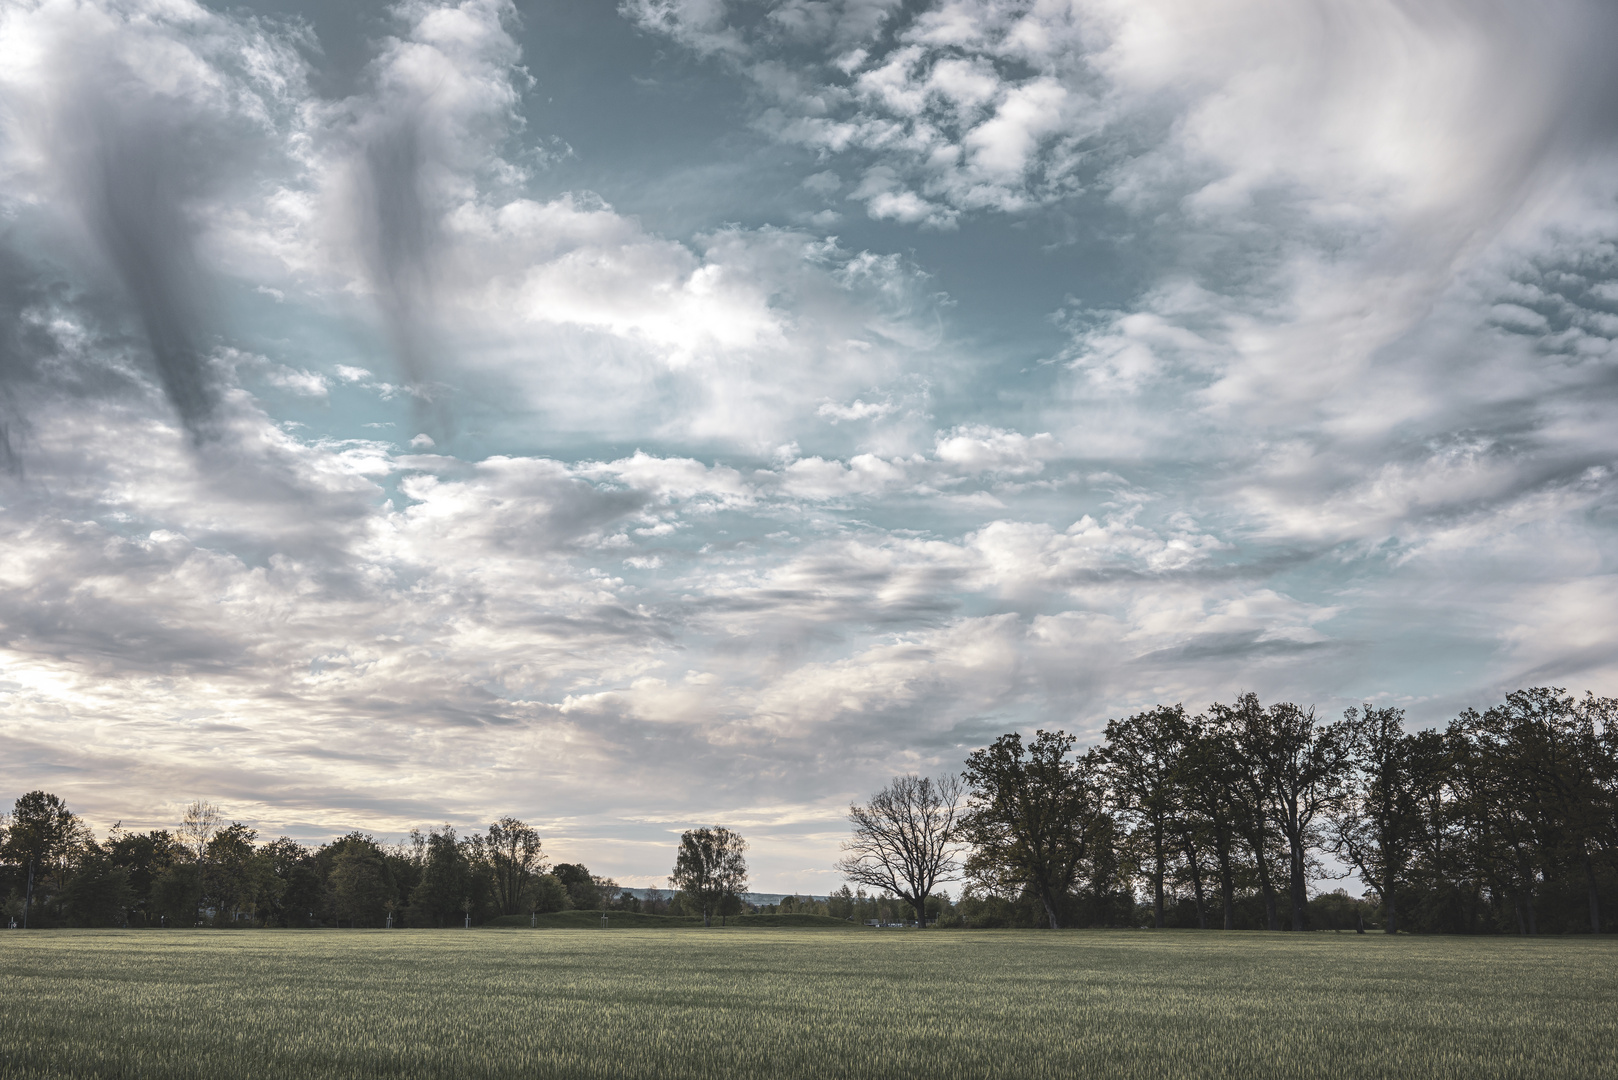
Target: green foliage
{"points": [[1034, 818], [143, 857], [176, 895], [439, 899], [97, 892], [360, 883], [710, 867], [803, 1005], [546, 893]]}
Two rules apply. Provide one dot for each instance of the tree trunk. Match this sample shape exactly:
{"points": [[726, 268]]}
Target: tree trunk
{"points": [[1227, 888], [1391, 923], [1522, 927], [1268, 887], [1595, 896], [1196, 882], [28, 902], [921, 912], [1157, 879], [1050, 910], [1297, 890]]}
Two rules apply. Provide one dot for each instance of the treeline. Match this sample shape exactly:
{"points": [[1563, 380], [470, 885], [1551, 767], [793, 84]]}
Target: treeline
{"points": [[57, 873], [1505, 821]]}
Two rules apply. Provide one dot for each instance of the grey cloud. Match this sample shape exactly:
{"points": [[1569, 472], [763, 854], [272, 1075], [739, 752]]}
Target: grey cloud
{"points": [[400, 241], [134, 168]]}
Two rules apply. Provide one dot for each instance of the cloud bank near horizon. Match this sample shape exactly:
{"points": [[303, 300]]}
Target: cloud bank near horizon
{"points": [[408, 447]]}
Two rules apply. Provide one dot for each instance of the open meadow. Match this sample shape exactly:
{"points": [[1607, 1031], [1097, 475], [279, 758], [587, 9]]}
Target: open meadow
{"points": [[811, 1003]]}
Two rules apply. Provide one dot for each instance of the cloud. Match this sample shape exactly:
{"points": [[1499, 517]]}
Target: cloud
{"points": [[443, 97], [976, 448], [128, 123], [732, 521]]}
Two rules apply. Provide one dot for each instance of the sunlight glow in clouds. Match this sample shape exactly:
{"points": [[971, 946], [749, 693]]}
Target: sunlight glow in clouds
{"points": [[376, 457]]}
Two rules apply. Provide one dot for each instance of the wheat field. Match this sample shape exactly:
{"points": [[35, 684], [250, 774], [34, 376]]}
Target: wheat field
{"points": [[802, 1003]]}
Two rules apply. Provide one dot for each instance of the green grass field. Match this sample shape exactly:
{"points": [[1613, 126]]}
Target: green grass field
{"points": [[784, 1003]]}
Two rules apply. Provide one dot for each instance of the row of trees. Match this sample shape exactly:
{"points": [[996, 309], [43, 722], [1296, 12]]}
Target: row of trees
{"points": [[54, 871], [1505, 821]]}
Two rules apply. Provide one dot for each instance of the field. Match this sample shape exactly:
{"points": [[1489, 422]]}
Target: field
{"points": [[794, 1002]]}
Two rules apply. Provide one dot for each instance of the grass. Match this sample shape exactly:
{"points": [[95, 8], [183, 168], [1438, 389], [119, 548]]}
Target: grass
{"points": [[787, 1003], [626, 920]]}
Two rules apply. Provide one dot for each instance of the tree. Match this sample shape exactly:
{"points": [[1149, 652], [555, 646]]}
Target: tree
{"points": [[229, 870], [177, 894], [1143, 755], [545, 892], [1033, 816], [294, 889], [579, 884], [907, 840], [1242, 731], [197, 829], [442, 890], [1299, 765], [514, 853], [1211, 789], [1376, 825], [42, 831], [97, 892], [709, 866], [360, 884], [142, 856], [1546, 748]]}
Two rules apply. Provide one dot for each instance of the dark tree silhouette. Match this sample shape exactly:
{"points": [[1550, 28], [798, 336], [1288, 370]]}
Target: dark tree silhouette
{"points": [[906, 840]]}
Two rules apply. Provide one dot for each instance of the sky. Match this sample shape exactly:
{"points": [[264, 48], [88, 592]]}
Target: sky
{"points": [[633, 416]]}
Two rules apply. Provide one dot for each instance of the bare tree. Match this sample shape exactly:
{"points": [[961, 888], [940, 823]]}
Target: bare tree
{"points": [[907, 840], [197, 830]]}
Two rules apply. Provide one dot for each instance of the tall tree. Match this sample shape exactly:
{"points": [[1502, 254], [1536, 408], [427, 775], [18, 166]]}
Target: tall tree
{"points": [[442, 890], [1144, 757], [514, 854], [143, 857], [1211, 791], [202, 819], [906, 840], [1299, 765], [1241, 729], [360, 883], [228, 870], [709, 866], [1377, 823], [42, 832], [1550, 749], [1032, 816], [96, 892]]}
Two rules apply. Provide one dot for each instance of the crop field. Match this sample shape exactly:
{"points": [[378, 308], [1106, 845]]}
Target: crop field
{"points": [[793, 1002]]}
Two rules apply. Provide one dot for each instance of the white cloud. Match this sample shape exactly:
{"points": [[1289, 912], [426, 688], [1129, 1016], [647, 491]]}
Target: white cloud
{"points": [[1355, 423], [976, 448]]}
